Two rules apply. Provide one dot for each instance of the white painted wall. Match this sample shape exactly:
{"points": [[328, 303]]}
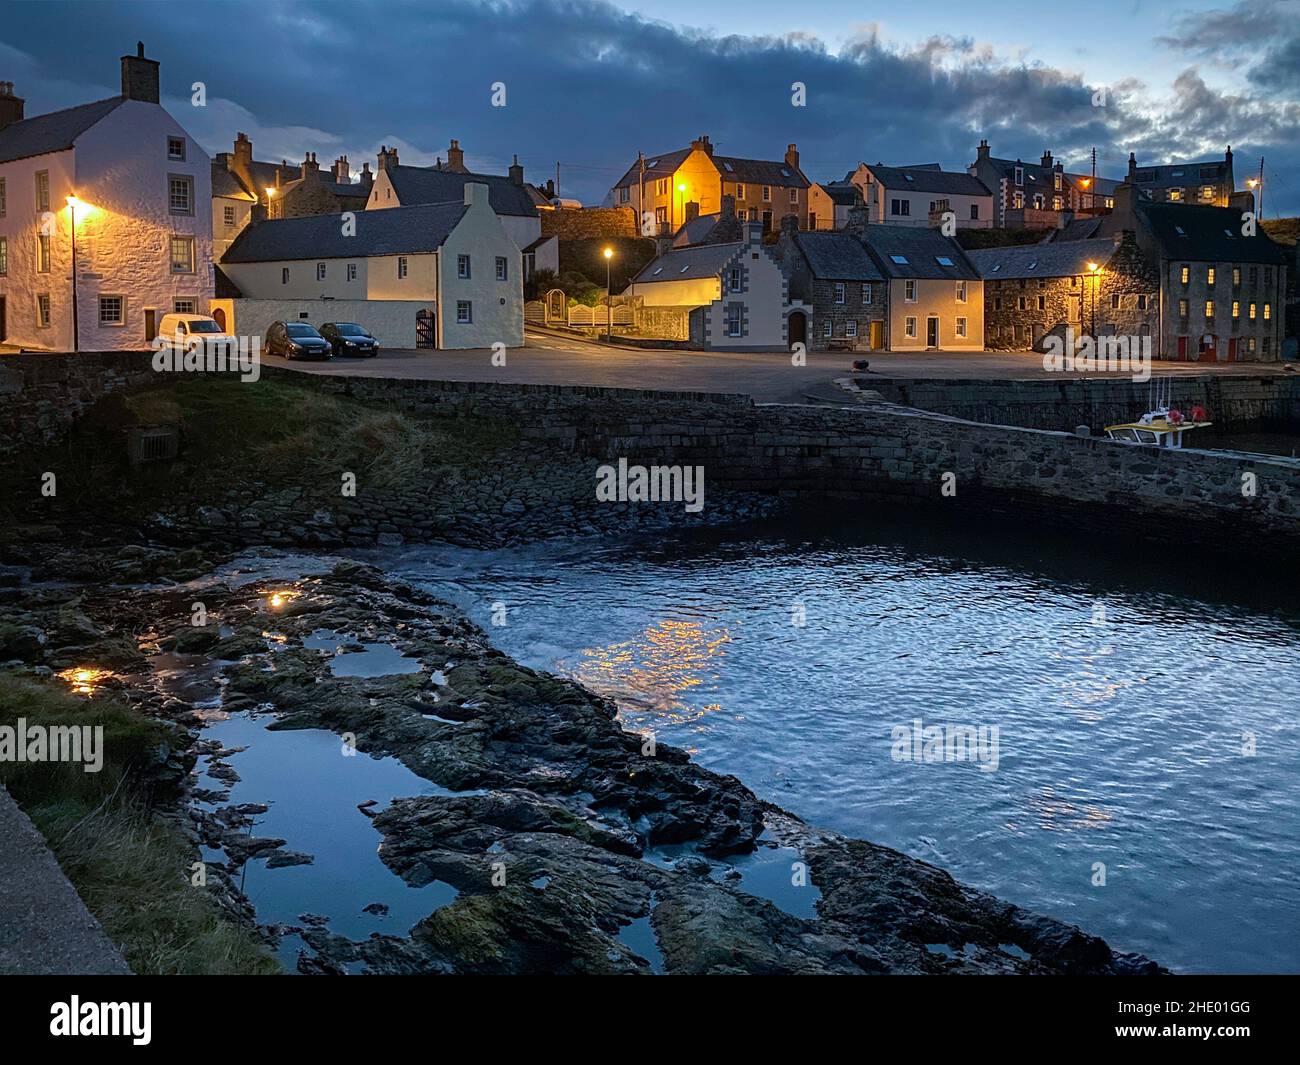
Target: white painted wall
{"points": [[497, 306], [391, 322], [223, 235], [377, 278], [765, 300], [20, 227]]}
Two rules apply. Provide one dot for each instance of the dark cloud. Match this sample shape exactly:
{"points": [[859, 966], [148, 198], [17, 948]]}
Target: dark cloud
{"points": [[588, 85]]}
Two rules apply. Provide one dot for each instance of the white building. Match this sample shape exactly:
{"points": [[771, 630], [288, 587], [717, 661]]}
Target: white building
{"points": [[511, 198], [735, 296], [137, 188], [908, 195], [438, 275]]}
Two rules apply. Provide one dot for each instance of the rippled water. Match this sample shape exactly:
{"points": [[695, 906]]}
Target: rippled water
{"points": [[1125, 684]]}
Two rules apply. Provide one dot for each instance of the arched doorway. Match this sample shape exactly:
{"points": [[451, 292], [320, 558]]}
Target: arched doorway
{"points": [[798, 328], [219, 316], [424, 331]]}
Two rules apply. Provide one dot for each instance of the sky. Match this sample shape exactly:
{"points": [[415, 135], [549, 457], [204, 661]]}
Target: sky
{"points": [[588, 83]]}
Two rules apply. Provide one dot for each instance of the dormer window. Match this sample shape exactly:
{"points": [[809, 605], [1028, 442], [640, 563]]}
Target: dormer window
{"points": [[1020, 175]]}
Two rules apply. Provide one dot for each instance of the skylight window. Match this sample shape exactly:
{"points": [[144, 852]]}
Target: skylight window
{"points": [[901, 260], [652, 164], [908, 177], [1181, 232], [943, 260], [684, 268], [996, 267], [658, 270], [729, 167], [785, 172], [1032, 264]]}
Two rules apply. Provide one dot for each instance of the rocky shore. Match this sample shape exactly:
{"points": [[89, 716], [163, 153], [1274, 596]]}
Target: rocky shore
{"points": [[572, 845]]}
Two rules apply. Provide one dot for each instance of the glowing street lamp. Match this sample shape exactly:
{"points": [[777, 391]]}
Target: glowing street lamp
{"points": [[73, 204], [1095, 270], [609, 309]]}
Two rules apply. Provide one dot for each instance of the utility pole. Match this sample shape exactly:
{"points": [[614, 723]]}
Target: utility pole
{"points": [[1092, 188], [1260, 206], [557, 179]]}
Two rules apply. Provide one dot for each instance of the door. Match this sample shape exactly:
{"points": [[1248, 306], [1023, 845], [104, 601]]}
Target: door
{"points": [[424, 332], [1209, 349], [1182, 347], [3, 333], [219, 316], [877, 335], [798, 328], [150, 325], [1232, 349], [932, 332]]}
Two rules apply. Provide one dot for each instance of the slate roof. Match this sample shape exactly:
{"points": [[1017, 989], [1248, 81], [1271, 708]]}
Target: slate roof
{"points": [[687, 264], [1174, 175], [347, 190], [656, 166], [1058, 259], [1037, 177], [54, 132], [844, 195], [732, 168], [394, 231], [417, 184], [694, 231], [1104, 186], [225, 184], [922, 248], [838, 256], [928, 179], [1207, 234]]}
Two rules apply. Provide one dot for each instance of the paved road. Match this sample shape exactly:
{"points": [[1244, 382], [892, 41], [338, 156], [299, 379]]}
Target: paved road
{"points": [[553, 358], [45, 928]]}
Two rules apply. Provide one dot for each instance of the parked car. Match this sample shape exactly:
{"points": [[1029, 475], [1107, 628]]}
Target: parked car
{"points": [[180, 331], [348, 338], [296, 340]]}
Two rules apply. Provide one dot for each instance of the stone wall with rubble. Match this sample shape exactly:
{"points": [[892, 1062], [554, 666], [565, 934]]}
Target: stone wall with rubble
{"points": [[585, 222], [41, 395]]}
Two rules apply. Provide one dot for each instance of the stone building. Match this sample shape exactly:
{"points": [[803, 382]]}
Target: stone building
{"points": [[835, 275], [120, 184], [1093, 287], [1209, 182], [920, 195], [1027, 194]]}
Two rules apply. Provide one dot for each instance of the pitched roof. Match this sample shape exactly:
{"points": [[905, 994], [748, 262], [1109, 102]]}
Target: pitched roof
{"points": [[656, 166], [928, 179], [1104, 186], [54, 132], [687, 264], [694, 231], [225, 184], [346, 190], [1207, 234], [732, 168], [395, 231], [837, 256], [845, 195], [1058, 259], [920, 250], [417, 184], [1172, 175], [1037, 177]]}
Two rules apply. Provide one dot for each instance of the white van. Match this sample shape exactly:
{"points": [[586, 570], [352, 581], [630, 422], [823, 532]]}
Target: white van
{"points": [[176, 330]]}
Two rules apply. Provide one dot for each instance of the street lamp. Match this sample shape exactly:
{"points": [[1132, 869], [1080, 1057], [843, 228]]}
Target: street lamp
{"points": [[609, 309], [681, 188], [1095, 270], [73, 204]]}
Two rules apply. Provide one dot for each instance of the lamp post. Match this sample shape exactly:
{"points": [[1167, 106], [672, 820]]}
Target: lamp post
{"points": [[609, 308], [681, 188], [1095, 270], [72, 212]]}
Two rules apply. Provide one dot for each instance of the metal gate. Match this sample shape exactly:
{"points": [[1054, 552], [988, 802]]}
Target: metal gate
{"points": [[424, 331]]}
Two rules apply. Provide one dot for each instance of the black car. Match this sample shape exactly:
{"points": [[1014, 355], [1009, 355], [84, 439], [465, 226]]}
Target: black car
{"points": [[348, 338], [296, 340]]}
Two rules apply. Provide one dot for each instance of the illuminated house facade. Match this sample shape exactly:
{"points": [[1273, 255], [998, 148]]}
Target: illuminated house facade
{"points": [[659, 188], [140, 190]]}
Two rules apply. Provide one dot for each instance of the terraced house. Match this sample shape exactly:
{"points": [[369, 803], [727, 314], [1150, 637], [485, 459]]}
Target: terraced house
{"points": [[1027, 194], [121, 186], [921, 195], [660, 187]]}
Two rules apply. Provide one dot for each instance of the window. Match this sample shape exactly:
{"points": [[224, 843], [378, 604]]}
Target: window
{"points": [[1042, 303], [839, 291], [900, 207], [850, 329], [352, 271], [794, 195], [961, 291], [401, 267], [1209, 309], [1268, 275], [284, 275], [866, 293], [228, 216], [624, 194], [1018, 200], [767, 193], [1236, 310], [1207, 192], [42, 255], [1251, 313], [1185, 274], [182, 255], [176, 148], [1175, 195], [112, 310], [1268, 311], [740, 191], [184, 307], [1254, 276], [909, 291], [661, 187], [1236, 277], [734, 280], [909, 327], [961, 327], [320, 271], [1250, 345], [1114, 301], [1057, 202], [1056, 182], [661, 215], [733, 319], [43, 310], [974, 212], [1038, 201], [462, 266], [4, 206], [180, 192], [1142, 302], [1209, 276], [464, 312], [502, 268], [1023, 303], [42, 190], [4, 256], [1020, 175]]}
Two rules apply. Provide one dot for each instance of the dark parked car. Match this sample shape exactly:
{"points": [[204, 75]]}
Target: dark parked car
{"points": [[348, 338], [296, 340]]}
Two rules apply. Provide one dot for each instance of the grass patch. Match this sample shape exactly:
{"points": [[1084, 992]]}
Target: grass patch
{"points": [[131, 868]]}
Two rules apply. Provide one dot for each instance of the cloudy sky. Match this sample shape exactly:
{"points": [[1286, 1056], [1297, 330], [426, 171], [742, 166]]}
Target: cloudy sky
{"points": [[588, 83]]}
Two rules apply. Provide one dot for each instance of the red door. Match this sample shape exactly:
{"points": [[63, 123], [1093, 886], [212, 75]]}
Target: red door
{"points": [[1182, 347], [1209, 349], [1232, 350]]}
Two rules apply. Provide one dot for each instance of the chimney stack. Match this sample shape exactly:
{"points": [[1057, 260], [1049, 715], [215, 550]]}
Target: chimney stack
{"points": [[309, 169], [516, 172], [456, 158], [11, 106], [692, 211], [367, 177], [982, 152], [1046, 160], [341, 171], [475, 193], [703, 144], [1132, 169], [728, 209], [857, 220], [753, 233], [387, 157], [140, 76], [792, 157]]}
